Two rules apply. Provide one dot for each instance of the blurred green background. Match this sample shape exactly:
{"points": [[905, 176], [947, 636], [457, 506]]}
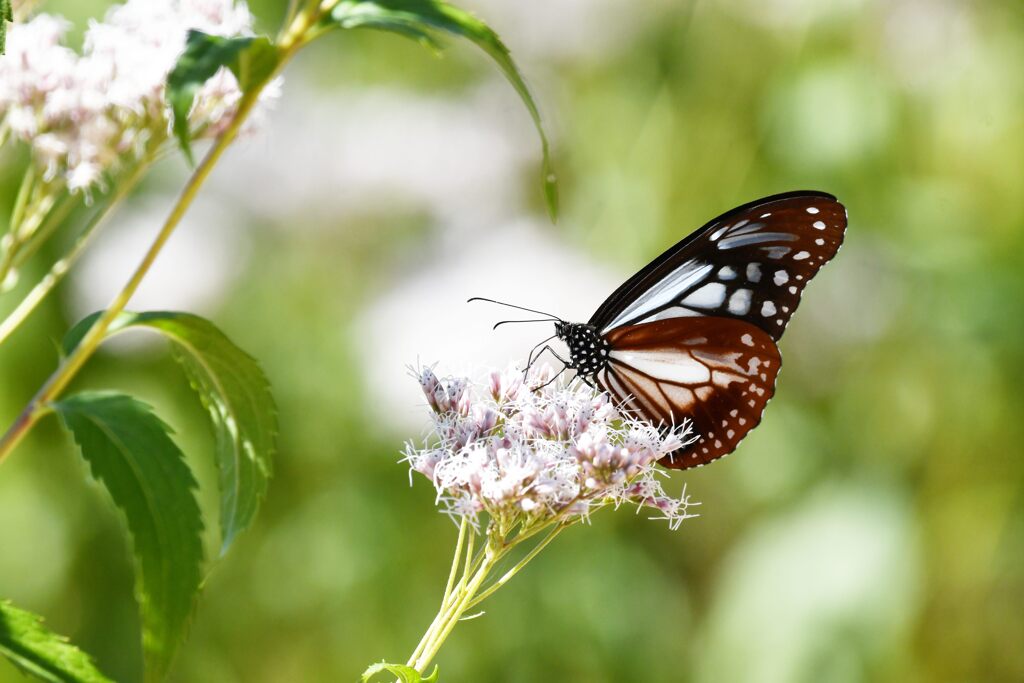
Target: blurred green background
{"points": [[872, 529]]}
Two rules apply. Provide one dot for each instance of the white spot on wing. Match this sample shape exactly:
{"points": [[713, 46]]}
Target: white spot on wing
{"points": [[768, 309], [739, 302], [820, 225], [726, 273], [754, 272], [781, 277], [747, 340], [800, 255], [710, 295], [811, 209]]}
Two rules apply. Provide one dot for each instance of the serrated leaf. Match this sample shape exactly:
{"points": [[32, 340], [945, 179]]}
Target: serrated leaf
{"points": [[421, 19], [39, 652], [234, 390], [130, 451], [406, 674], [252, 59]]}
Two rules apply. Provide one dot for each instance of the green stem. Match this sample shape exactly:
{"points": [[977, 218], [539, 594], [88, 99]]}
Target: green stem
{"points": [[27, 185], [10, 241], [519, 565], [58, 269], [453, 588], [455, 562], [53, 220], [467, 570], [439, 633], [465, 594]]}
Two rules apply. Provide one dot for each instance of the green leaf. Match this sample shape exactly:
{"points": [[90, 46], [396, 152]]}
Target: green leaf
{"points": [[251, 59], [256, 63], [406, 674], [129, 450], [42, 653], [6, 15], [421, 20], [236, 393]]}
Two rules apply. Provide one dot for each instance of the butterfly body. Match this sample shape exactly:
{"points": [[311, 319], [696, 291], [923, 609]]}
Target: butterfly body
{"points": [[588, 350], [691, 338]]}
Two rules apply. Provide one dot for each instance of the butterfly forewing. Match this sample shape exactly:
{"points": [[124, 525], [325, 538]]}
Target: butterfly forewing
{"points": [[749, 264], [718, 373]]}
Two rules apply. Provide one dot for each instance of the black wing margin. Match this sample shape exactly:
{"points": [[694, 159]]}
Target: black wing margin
{"points": [[750, 263]]}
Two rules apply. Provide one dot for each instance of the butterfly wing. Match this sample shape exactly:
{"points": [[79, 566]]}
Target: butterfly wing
{"points": [[750, 264], [719, 373]]}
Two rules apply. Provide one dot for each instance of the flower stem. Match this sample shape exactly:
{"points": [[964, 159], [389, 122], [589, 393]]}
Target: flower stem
{"points": [[58, 269], [455, 562], [448, 618], [519, 565], [29, 211], [53, 220], [453, 585], [465, 594]]}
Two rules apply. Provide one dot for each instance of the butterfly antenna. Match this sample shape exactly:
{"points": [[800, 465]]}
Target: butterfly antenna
{"points": [[521, 308], [535, 320]]}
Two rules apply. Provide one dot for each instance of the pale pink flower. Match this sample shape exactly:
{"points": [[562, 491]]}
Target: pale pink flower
{"points": [[525, 455], [85, 115]]}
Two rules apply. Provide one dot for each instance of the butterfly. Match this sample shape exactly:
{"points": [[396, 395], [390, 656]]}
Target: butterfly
{"points": [[691, 338]]}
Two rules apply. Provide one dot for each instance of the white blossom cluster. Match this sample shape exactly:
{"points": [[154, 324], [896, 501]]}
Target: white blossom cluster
{"points": [[524, 455], [84, 114]]}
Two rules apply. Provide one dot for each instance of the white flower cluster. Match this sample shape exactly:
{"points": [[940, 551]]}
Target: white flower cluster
{"points": [[525, 455], [83, 114]]}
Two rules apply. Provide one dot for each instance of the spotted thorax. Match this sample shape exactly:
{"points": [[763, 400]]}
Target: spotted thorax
{"points": [[588, 351]]}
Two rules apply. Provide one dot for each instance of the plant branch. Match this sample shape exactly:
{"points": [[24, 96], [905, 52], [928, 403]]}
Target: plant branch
{"points": [[454, 613], [519, 565], [463, 527], [61, 267]]}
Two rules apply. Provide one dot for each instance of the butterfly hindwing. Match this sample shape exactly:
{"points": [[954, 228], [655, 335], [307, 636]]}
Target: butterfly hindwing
{"points": [[718, 373], [749, 264]]}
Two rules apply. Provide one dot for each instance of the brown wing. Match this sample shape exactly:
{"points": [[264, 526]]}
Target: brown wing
{"points": [[719, 373]]}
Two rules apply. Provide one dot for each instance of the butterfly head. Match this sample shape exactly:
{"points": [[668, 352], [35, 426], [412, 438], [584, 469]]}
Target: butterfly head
{"points": [[588, 351]]}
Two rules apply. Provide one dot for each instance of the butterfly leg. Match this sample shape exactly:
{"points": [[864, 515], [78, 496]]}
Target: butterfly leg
{"points": [[557, 375], [563, 361], [530, 359]]}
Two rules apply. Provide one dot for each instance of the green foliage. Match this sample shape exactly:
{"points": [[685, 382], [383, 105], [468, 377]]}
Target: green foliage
{"points": [[6, 15], [130, 451], [251, 59], [255, 64], [42, 653], [236, 393], [421, 20], [406, 674]]}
